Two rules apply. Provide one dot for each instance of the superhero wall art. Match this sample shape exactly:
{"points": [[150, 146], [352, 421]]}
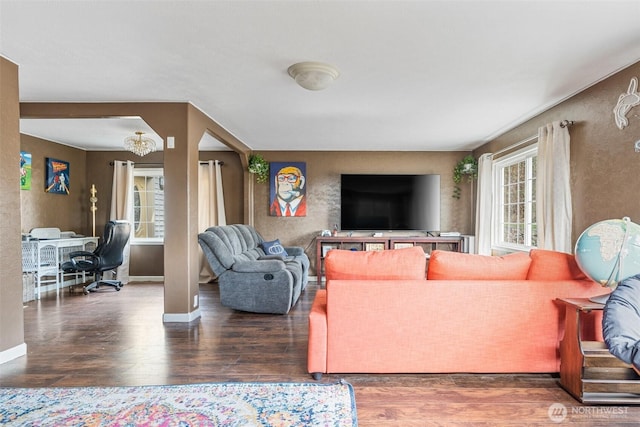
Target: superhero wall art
{"points": [[288, 189]]}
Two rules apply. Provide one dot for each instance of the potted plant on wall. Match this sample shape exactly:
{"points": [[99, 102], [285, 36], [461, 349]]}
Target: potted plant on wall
{"points": [[467, 168], [259, 167]]}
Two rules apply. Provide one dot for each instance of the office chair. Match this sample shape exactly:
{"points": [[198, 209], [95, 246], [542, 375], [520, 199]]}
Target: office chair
{"points": [[107, 256]]}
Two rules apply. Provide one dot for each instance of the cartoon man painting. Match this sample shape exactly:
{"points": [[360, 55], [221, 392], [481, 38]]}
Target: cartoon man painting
{"points": [[288, 190]]}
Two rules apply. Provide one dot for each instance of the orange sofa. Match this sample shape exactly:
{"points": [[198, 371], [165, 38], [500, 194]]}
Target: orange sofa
{"points": [[472, 313]]}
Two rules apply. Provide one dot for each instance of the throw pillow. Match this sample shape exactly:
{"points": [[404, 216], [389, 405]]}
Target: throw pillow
{"points": [[447, 265], [393, 264], [273, 247], [553, 265]]}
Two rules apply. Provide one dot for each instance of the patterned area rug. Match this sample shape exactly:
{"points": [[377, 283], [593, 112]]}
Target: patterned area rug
{"points": [[217, 404]]}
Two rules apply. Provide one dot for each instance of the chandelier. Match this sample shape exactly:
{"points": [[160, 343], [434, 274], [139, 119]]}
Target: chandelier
{"points": [[140, 145]]}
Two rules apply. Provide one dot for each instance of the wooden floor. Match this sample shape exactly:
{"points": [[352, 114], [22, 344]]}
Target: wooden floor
{"points": [[113, 338]]}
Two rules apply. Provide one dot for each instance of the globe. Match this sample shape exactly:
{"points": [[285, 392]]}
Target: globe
{"points": [[609, 251]]}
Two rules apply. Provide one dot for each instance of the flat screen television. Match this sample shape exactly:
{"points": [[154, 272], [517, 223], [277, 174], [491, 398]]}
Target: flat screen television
{"points": [[390, 202]]}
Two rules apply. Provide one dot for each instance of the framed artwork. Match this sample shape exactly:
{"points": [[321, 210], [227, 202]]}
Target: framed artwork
{"points": [[56, 176], [25, 170], [287, 189]]}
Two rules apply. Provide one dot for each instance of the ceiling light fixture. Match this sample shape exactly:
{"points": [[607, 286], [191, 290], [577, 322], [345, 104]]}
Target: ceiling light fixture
{"points": [[313, 75], [140, 145]]}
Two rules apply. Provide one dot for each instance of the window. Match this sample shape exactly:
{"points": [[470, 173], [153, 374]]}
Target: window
{"points": [[514, 175], [148, 206]]}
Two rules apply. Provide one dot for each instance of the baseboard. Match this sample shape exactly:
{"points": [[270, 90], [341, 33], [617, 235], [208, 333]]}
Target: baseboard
{"points": [[146, 279], [70, 282], [13, 353], [181, 317]]}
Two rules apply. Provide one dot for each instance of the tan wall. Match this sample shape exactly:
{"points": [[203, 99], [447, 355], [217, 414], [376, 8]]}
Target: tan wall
{"points": [[602, 159], [323, 175], [604, 165], [41, 209], [11, 318], [147, 260], [323, 190], [604, 181]]}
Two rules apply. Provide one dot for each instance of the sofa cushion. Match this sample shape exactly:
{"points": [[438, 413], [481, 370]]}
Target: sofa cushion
{"points": [[405, 263], [553, 265], [273, 247], [447, 265]]}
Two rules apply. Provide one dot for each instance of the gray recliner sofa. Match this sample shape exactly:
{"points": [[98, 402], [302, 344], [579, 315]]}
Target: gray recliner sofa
{"points": [[251, 279]]}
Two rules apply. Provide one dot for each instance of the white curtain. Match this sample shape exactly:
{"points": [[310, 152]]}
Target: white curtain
{"points": [[485, 204], [210, 206], [553, 189], [122, 207]]}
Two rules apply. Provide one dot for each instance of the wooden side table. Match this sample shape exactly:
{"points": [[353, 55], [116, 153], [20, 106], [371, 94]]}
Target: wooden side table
{"points": [[587, 370]]}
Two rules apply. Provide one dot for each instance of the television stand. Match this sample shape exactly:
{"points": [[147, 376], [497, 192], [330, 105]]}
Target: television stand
{"points": [[368, 243]]}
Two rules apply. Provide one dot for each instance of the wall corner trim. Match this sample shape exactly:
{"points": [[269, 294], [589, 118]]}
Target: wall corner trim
{"points": [[181, 317]]}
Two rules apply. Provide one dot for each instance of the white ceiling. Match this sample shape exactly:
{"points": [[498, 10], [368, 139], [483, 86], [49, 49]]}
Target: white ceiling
{"points": [[415, 75]]}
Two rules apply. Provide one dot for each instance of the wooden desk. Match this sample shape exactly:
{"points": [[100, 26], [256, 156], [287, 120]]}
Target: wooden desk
{"points": [[587, 370], [44, 257]]}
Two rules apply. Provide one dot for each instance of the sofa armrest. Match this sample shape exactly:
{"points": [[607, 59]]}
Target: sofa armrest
{"points": [[317, 350], [268, 257], [294, 250], [264, 266]]}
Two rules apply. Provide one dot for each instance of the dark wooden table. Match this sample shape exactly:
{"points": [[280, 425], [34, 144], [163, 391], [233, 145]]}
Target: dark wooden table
{"points": [[588, 371]]}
